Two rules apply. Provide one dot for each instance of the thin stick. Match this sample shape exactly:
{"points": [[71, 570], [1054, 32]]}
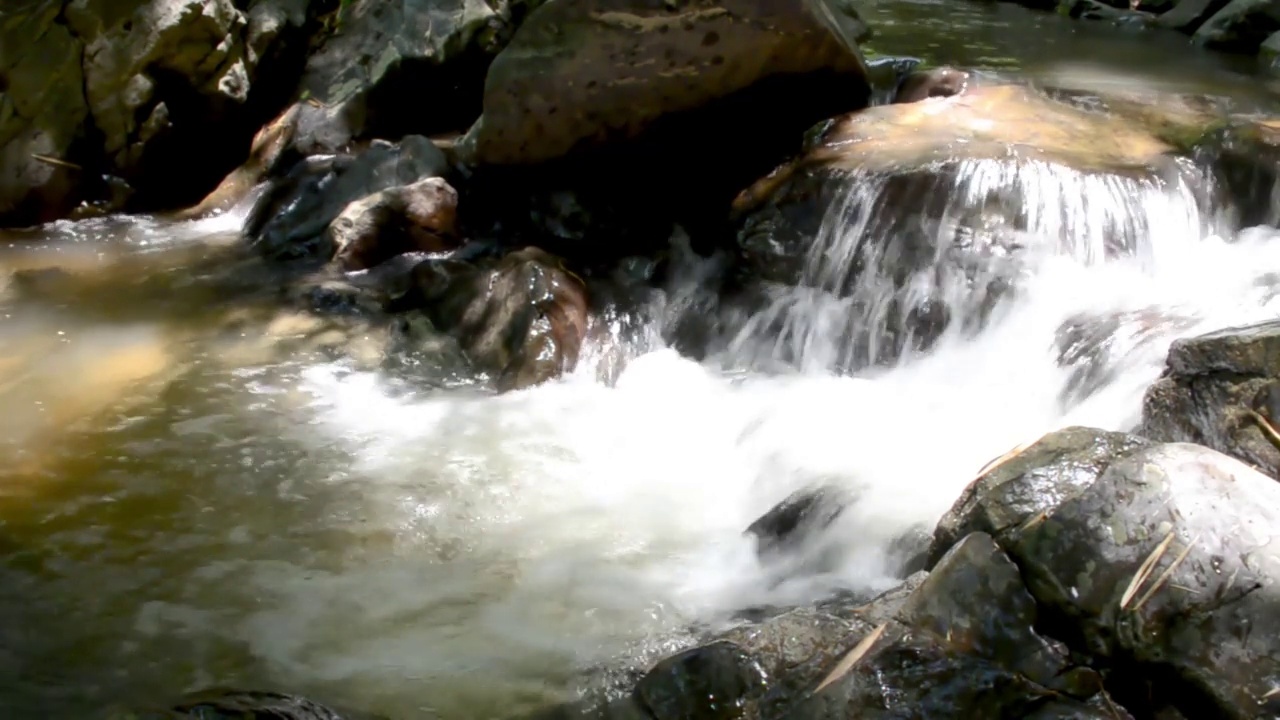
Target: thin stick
{"points": [[50, 160], [853, 657], [1009, 455], [1144, 570], [1267, 428], [1164, 576]]}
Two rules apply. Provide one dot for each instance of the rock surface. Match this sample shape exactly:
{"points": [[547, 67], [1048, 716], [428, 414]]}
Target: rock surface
{"points": [[522, 318], [585, 71], [245, 705], [1220, 390], [291, 220], [421, 217]]}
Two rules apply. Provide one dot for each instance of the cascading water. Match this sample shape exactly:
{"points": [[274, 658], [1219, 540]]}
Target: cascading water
{"points": [[317, 526]]}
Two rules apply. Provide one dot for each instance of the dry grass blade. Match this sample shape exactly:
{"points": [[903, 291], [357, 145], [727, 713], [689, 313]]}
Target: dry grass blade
{"points": [[997, 462], [846, 664], [1271, 693], [1267, 428], [1164, 576], [50, 160], [1144, 570]]}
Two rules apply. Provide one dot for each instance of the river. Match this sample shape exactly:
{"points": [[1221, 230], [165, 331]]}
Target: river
{"points": [[204, 490]]}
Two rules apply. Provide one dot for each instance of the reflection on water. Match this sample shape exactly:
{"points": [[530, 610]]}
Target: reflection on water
{"points": [[203, 488]]}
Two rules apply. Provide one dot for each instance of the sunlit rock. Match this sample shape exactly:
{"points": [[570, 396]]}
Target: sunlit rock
{"points": [[1221, 390], [1153, 556], [582, 72], [522, 318], [420, 217]]}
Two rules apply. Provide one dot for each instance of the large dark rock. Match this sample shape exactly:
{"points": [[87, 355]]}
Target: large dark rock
{"points": [[1154, 560], [421, 217], [245, 705], [1219, 390], [290, 221], [1241, 26], [584, 71], [433, 52]]}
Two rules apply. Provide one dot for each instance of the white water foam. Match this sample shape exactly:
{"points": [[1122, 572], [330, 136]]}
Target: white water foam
{"points": [[614, 512]]}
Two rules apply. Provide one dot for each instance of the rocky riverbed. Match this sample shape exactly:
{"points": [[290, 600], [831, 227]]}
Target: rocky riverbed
{"points": [[622, 359]]}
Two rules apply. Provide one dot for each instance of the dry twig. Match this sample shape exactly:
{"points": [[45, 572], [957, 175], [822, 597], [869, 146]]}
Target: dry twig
{"points": [[846, 664]]}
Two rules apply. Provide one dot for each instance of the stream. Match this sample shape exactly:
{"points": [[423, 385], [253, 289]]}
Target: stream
{"points": [[203, 489]]}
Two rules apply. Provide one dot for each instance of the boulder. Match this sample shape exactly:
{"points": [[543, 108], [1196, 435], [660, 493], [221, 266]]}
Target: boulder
{"points": [[1220, 390], [381, 53], [291, 220], [521, 318], [1188, 15], [1241, 26], [420, 217], [1269, 54], [936, 82], [582, 72], [1155, 560], [160, 94], [916, 217], [1244, 156]]}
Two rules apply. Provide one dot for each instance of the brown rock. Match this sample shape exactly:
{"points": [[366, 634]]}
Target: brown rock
{"points": [[583, 72], [421, 217]]}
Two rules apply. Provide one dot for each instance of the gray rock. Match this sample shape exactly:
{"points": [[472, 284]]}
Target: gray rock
{"points": [[1030, 484], [1242, 26], [1269, 54], [290, 221], [579, 72], [1217, 391], [246, 705], [433, 50], [1188, 15]]}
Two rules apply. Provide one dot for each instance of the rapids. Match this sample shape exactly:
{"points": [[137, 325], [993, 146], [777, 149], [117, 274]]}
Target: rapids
{"points": [[193, 497]]}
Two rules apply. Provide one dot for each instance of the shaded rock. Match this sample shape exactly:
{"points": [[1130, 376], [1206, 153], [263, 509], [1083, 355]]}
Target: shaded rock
{"points": [[42, 113], [522, 318], [936, 82], [381, 53], [289, 222], [1244, 155], [246, 705], [1101, 11], [1269, 54], [712, 681], [421, 217], [1212, 387], [1241, 26], [1188, 15], [585, 71]]}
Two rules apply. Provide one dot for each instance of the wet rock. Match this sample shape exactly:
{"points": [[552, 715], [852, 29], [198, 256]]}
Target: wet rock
{"points": [[888, 209], [522, 318], [1188, 15], [42, 112], [1101, 11], [797, 519], [932, 83], [421, 217], [1244, 155], [1152, 557], [1030, 483], [1221, 390], [712, 681], [246, 705], [289, 222], [1242, 26], [381, 53], [1095, 348], [1269, 54], [580, 72]]}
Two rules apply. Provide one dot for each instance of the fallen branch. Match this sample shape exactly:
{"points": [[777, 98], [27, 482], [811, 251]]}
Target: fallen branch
{"points": [[1144, 570], [846, 664], [1164, 576], [1267, 428], [1009, 455], [57, 162]]}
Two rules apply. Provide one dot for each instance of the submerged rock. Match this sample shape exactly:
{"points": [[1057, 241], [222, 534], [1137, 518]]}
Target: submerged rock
{"points": [[522, 318], [1221, 390], [245, 705], [579, 72], [936, 82], [290, 221], [1241, 26]]}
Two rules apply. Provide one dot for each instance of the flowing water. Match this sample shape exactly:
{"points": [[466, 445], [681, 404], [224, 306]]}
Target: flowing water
{"points": [[201, 489]]}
